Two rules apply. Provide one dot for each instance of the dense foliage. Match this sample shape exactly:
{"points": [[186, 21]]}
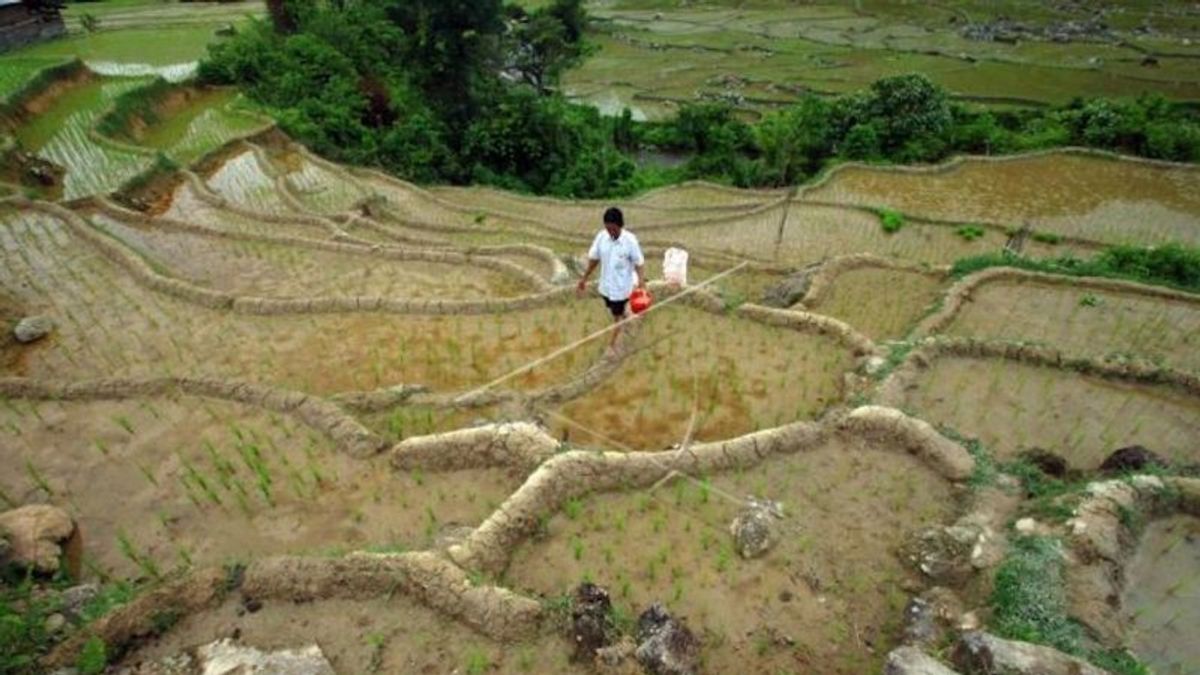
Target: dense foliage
{"points": [[465, 91]]}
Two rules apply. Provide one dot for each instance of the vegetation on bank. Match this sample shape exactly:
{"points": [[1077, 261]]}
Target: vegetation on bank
{"points": [[464, 92], [1172, 265]]}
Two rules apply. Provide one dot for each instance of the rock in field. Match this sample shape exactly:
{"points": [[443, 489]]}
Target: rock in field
{"points": [[980, 652], [33, 328], [591, 621], [665, 645], [913, 661], [754, 530], [226, 657], [1132, 458], [42, 539], [791, 290]]}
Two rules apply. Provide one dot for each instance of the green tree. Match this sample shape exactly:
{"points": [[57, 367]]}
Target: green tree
{"points": [[541, 49], [451, 51], [908, 110], [794, 141]]}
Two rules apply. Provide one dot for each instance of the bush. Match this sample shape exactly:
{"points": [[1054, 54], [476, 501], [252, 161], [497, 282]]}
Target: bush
{"points": [[892, 221]]}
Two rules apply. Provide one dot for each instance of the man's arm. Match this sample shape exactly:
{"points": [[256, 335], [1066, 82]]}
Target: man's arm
{"points": [[639, 263], [582, 286]]}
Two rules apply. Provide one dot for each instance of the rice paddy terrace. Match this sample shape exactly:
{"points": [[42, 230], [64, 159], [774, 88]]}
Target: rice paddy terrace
{"points": [[762, 54], [269, 364]]}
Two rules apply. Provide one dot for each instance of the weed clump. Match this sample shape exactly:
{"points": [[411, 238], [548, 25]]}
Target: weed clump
{"points": [[892, 221], [970, 232]]}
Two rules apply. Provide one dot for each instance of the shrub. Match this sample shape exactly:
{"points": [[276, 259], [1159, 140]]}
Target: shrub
{"points": [[892, 221]]}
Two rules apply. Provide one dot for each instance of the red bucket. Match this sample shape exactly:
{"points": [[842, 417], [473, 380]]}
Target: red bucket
{"points": [[640, 300]]}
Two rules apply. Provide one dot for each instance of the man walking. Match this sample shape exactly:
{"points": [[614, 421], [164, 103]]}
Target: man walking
{"points": [[620, 258]]}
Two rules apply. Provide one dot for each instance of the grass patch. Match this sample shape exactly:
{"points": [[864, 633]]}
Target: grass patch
{"points": [[1173, 265], [892, 221], [1029, 604], [1029, 598], [970, 232]]}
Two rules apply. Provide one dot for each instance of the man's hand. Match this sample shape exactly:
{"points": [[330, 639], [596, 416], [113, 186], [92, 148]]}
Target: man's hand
{"points": [[581, 287]]}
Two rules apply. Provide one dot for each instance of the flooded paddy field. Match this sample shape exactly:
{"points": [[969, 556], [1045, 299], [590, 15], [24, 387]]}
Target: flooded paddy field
{"points": [[1012, 407]]}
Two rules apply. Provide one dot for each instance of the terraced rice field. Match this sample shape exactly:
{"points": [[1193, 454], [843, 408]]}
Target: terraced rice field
{"points": [[760, 56], [399, 390]]}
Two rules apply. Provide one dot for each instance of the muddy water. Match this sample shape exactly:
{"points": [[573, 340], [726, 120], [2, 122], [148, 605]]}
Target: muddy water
{"points": [[1084, 322], [827, 599], [739, 375], [1104, 200], [190, 493], [1162, 596], [1011, 406], [882, 303]]}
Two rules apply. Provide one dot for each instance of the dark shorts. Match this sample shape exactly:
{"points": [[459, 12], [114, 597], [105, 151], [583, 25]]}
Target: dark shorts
{"points": [[617, 307]]}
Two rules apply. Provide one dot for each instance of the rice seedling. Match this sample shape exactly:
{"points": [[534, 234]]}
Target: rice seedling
{"points": [[39, 481], [145, 563], [123, 422]]}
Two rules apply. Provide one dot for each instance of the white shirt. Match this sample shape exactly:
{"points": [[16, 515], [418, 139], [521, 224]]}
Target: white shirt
{"points": [[618, 258]]}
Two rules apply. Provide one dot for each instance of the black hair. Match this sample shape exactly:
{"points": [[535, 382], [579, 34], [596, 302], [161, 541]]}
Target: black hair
{"points": [[613, 215]]}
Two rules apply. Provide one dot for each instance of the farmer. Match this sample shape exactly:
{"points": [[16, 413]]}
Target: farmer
{"points": [[619, 256]]}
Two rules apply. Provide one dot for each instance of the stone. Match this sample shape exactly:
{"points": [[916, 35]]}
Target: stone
{"points": [[1047, 462], [929, 617], [791, 290], [227, 657], [42, 538], [54, 623], [755, 529], [912, 661], [920, 622], [979, 652], [1026, 526], [33, 328], [1132, 458], [944, 554], [617, 658], [592, 625], [75, 598], [665, 645]]}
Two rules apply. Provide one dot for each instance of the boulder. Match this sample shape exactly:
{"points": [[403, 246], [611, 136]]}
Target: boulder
{"points": [[665, 645], [944, 554], [1047, 462], [791, 290], [983, 653], [33, 328], [1132, 458], [592, 626], [755, 528], [912, 661], [43, 539], [929, 617], [75, 598]]}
